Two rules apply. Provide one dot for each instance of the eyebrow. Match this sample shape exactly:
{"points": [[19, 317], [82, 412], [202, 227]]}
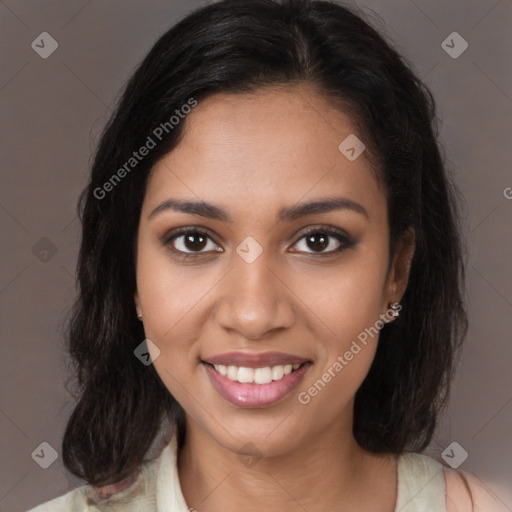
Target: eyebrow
{"points": [[288, 214]]}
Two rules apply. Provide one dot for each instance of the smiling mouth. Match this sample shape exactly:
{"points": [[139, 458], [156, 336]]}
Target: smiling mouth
{"points": [[248, 387], [263, 375]]}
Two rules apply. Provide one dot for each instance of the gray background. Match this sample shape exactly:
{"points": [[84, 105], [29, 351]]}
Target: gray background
{"points": [[51, 111]]}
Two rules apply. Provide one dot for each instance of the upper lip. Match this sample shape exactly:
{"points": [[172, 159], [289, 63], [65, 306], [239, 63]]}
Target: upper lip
{"points": [[243, 359]]}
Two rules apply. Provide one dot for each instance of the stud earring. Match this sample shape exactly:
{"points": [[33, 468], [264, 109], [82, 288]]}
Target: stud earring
{"points": [[395, 309], [139, 317]]}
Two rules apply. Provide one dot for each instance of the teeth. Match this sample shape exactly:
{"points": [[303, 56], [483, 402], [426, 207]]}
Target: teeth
{"points": [[232, 373], [277, 372], [256, 375], [245, 375]]}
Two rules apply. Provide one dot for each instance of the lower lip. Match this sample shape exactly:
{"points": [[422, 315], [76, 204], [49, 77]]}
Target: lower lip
{"points": [[255, 395]]}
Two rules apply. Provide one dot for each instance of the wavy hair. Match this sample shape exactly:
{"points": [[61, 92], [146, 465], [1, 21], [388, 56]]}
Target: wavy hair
{"points": [[239, 46]]}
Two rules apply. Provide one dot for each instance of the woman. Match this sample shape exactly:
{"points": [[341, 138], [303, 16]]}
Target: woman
{"points": [[270, 260]]}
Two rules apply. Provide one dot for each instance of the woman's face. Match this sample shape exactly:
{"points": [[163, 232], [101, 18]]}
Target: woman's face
{"points": [[257, 284]]}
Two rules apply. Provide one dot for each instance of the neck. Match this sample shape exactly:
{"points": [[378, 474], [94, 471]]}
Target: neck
{"points": [[328, 471]]}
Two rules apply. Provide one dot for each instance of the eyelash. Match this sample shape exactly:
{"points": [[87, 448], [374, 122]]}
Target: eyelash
{"points": [[340, 236]]}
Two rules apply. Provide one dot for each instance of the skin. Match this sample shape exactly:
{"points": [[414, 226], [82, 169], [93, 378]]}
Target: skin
{"points": [[252, 155]]}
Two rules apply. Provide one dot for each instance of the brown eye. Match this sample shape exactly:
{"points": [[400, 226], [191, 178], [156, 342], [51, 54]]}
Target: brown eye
{"points": [[190, 241], [194, 241], [318, 240]]}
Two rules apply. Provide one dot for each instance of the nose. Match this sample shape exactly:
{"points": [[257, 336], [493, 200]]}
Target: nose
{"points": [[254, 299]]}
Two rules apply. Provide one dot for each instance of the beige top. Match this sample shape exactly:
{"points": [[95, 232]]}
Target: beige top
{"points": [[421, 488]]}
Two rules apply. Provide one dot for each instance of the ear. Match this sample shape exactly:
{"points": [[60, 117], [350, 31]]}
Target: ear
{"points": [[400, 268]]}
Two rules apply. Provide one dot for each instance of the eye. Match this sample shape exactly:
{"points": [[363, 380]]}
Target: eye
{"points": [[194, 241], [190, 241], [320, 239]]}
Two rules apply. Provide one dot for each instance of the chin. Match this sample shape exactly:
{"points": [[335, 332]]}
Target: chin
{"points": [[252, 439]]}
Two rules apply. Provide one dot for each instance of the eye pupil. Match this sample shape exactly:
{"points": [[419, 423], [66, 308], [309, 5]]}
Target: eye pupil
{"points": [[319, 237], [195, 246]]}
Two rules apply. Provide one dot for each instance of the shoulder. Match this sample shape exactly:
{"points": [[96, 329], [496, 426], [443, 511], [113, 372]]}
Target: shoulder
{"points": [[427, 480], [135, 491], [458, 492], [421, 484], [73, 501], [465, 492]]}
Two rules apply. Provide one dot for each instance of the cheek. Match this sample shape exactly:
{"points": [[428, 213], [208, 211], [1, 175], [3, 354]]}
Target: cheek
{"points": [[344, 306], [170, 294], [349, 309], [171, 302], [345, 300]]}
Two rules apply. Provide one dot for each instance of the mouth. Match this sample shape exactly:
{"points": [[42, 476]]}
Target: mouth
{"points": [[255, 386], [259, 376]]}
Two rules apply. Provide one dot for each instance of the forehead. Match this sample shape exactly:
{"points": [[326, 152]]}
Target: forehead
{"points": [[268, 147]]}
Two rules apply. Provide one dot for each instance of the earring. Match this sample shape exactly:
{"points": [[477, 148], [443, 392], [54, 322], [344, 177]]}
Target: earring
{"points": [[139, 317], [395, 309]]}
